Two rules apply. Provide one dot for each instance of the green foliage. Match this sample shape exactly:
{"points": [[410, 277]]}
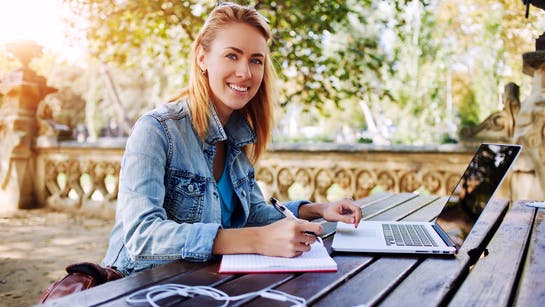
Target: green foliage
{"points": [[363, 140], [158, 34], [418, 65], [417, 79], [469, 109], [299, 28], [447, 139]]}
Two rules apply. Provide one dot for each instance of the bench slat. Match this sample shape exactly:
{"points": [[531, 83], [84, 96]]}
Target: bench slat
{"points": [[429, 212], [383, 205], [388, 280], [532, 285], [428, 284], [371, 199], [372, 283], [206, 275], [492, 279], [409, 207], [120, 287]]}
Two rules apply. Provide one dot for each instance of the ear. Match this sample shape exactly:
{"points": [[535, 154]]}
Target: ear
{"points": [[201, 58]]}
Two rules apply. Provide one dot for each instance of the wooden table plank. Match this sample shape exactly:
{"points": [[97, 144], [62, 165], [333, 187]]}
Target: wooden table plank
{"points": [[407, 208], [428, 212], [207, 275], [242, 285], [378, 198], [493, 279], [313, 285], [385, 204], [372, 283], [361, 278], [435, 277], [371, 199], [531, 291], [117, 288]]}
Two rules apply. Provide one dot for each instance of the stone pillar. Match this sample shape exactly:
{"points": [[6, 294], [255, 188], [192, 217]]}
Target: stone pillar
{"points": [[529, 173], [20, 93]]}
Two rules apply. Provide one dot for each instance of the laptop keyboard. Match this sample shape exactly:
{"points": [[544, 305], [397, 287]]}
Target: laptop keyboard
{"points": [[407, 235]]}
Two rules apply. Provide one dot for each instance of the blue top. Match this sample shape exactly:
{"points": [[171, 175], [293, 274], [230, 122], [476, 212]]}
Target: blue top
{"points": [[169, 206], [225, 188]]}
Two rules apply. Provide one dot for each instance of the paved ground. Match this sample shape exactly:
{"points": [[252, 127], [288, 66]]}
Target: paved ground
{"points": [[36, 246]]}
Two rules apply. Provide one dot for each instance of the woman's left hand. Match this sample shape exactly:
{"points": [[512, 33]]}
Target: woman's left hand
{"points": [[344, 210]]}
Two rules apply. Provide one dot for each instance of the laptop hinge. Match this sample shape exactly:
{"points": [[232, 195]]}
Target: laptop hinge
{"points": [[443, 235]]}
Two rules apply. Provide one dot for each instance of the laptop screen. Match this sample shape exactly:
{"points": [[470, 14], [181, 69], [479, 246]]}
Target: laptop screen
{"points": [[480, 180]]}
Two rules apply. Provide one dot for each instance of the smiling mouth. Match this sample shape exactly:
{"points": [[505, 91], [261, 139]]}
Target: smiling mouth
{"points": [[238, 88]]}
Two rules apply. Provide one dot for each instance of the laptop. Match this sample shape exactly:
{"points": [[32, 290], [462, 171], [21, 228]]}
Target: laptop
{"points": [[445, 235]]}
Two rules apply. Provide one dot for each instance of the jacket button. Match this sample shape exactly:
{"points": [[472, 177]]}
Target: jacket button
{"points": [[243, 193], [190, 188]]}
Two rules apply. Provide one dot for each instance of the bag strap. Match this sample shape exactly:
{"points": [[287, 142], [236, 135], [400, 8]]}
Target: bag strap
{"points": [[100, 274]]}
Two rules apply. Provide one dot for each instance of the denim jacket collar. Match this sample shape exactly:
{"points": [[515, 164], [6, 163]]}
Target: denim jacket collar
{"points": [[238, 129]]}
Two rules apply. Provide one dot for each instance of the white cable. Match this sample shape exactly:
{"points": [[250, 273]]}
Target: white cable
{"points": [[152, 295]]}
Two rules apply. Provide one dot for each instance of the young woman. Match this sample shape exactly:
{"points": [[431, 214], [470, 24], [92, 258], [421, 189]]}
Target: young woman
{"points": [[187, 183]]}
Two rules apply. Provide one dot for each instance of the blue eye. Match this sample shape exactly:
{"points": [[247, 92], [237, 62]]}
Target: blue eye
{"points": [[231, 56], [257, 61]]}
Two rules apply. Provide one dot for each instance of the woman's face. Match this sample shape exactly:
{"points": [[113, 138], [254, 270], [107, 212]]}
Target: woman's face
{"points": [[235, 66]]}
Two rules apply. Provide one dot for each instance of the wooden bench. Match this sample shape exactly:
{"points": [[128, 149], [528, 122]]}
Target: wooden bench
{"points": [[511, 273]]}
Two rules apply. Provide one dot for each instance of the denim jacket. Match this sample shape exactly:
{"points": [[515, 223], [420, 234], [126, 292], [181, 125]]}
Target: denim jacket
{"points": [[168, 204]]}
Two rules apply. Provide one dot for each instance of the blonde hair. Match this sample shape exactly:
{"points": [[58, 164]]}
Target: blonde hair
{"points": [[259, 111]]}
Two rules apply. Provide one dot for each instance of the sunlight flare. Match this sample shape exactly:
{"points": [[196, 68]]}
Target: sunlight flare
{"points": [[37, 20]]}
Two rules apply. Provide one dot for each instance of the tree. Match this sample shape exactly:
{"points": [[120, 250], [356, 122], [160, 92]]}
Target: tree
{"points": [[489, 38], [157, 35], [413, 63]]}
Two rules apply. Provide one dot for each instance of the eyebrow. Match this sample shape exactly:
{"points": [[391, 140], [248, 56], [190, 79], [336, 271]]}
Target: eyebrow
{"points": [[242, 52]]}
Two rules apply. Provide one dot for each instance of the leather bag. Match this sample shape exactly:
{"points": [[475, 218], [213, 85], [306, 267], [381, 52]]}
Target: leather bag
{"points": [[81, 276]]}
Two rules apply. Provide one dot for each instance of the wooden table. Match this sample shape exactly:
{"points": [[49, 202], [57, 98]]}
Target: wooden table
{"points": [[508, 267]]}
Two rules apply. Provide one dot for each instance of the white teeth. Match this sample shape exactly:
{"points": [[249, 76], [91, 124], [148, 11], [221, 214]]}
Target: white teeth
{"points": [[238, 88]]}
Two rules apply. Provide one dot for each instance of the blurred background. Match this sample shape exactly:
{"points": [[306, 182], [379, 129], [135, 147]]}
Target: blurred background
{"points": [[381, 72]]}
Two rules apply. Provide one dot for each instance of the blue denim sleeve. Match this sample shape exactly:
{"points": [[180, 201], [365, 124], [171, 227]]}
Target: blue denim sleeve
{"points": [[262, 213], [147, 232], [294, 205]]}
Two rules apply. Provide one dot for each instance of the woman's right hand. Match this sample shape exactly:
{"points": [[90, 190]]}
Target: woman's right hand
{"points": [[287, 237]]}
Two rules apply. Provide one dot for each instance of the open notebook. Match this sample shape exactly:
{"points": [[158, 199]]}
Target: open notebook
{"points": [[315, 260]]}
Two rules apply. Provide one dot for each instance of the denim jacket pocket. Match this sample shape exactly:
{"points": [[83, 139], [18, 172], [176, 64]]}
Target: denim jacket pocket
{"points": [[184, 199]]}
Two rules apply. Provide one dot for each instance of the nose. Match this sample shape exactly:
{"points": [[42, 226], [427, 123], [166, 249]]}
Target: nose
{"points": [[244, 70]]}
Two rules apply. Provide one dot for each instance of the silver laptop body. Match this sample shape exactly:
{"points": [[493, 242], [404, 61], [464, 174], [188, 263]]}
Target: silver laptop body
{"points": [[445, 235]]}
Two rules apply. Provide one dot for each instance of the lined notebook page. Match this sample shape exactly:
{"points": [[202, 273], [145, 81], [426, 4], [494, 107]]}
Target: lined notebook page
{"points": [[315, 260]]}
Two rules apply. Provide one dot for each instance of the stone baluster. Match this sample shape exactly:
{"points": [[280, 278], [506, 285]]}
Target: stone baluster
{"points": [[20, 93]]}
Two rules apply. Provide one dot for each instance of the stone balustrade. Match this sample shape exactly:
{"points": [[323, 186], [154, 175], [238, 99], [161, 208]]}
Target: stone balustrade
{"points": [[84, 177], [79, 177]]}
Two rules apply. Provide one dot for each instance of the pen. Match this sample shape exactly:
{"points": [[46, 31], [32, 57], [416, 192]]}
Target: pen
{"points": [[282, 209], [287, 213]]}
